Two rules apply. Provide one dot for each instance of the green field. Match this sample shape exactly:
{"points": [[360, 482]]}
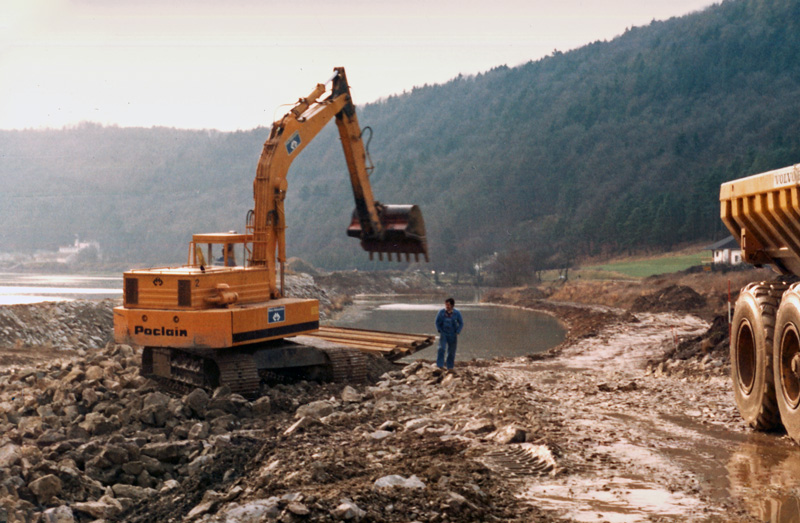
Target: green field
{"points": [[642, 268]]}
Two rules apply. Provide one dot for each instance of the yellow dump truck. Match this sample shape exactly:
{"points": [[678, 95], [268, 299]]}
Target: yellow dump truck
{"points": [[763, 213]]}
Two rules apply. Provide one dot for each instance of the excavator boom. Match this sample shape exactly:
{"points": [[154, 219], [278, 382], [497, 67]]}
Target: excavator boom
{"points": [[398, 229]]}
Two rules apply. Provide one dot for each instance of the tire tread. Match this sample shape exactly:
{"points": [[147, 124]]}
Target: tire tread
{"points": [[768, 296]]}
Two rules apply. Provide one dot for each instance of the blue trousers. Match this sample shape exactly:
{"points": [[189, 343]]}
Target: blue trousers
{"points": [[448, 344]]}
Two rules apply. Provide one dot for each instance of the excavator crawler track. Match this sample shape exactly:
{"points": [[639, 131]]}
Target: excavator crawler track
{"points": [[181, 372], [179, 368], [347, 365], [238, 371]]}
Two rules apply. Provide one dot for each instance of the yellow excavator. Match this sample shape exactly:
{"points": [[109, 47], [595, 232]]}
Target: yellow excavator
{"points": [[212, 322]]}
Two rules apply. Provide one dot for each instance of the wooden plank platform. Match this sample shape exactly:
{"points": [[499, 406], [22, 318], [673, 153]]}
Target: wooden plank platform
{"points": [[390, 345]]}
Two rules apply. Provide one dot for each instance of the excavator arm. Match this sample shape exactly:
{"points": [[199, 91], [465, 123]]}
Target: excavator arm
{"points": [[381, 228]]}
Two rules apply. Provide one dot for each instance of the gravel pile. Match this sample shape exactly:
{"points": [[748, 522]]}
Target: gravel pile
{"points": [[68, 325], [670, 299], [90, 439]]}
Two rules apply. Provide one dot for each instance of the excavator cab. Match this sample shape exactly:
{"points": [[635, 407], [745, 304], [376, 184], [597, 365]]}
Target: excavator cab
{"points": [[403, 232]]}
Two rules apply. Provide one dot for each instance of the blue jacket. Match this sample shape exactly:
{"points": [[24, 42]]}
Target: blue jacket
{"points": [[449, 325]]}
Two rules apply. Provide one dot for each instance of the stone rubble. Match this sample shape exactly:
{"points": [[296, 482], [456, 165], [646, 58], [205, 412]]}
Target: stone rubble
{"points": [[88, 438], [66, 325]]}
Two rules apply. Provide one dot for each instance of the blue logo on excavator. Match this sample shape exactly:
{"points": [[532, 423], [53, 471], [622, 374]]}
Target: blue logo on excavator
{"points": [[276, 314], [293, 142]]}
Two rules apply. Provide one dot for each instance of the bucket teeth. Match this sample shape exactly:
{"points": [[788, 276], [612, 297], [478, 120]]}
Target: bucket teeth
{"points": [[403, 233]]}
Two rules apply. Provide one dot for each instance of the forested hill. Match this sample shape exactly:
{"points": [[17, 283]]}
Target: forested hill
{"points": [[618, 145]]}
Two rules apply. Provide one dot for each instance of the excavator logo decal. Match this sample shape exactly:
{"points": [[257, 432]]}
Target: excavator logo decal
{"points": [[293, 142], [276, 314]]}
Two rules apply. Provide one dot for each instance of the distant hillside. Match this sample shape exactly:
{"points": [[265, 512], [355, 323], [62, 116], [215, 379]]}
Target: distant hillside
{"points": [[616, 146]]}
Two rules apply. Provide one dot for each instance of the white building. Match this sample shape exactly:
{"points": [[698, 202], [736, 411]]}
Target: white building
{"points": [[726, 252], [69, 253]]}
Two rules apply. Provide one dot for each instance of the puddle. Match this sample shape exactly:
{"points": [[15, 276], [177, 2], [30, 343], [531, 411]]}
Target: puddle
{"points": [[755, 468], [616, 500]]}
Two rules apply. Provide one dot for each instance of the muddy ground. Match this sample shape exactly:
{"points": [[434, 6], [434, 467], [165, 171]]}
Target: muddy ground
{"points": [[630, 419]]}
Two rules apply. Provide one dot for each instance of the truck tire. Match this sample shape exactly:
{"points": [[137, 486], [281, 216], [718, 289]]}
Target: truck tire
{"points": [[752, 333], [786, 362]]}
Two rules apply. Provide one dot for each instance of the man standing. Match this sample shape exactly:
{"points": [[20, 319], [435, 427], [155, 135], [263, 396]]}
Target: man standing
{"points": [[449, 324]]}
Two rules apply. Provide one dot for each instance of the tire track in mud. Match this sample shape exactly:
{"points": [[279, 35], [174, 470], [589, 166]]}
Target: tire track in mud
{"points": [[636, 446]]}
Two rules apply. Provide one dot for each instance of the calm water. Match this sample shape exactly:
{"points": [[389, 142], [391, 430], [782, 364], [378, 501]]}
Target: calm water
{"points": [[489, 331], [35, 288]]}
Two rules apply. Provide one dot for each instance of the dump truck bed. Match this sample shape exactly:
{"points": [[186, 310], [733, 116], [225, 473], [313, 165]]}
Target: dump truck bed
{"points": [[763, 214]]}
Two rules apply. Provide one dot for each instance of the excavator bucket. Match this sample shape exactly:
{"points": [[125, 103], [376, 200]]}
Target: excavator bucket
{"points": [[403, 233]]}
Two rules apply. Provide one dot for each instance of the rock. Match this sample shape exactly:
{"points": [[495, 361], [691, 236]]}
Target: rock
{"points": [[151, 465], [199, 510], [224, 424], [97, 424], [221, 392], [413, 368], [105, 508], [155, 409], [199, 431], [45, 488], [50, 437], [457, 501], [197, 464], [169, 485], [418, 423], [155, 399], [390, 425], [115, 454], [30, 426], [298, 509], [10, 455], [509, 434], [351, 395], [379, 435], [348, 510], [479, 426], [130, 491], [315, 409], [62, 514], [262, 407], [169, 451], [89, 397], [76, 432], [94, 373], [224, 403], [397, 481], [302, 423], [75, 375], [254, 511], [197, 400], [134, 468]]}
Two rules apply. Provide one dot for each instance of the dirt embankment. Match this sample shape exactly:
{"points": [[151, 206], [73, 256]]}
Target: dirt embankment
{"points": [[631, 419], [351, 283]]}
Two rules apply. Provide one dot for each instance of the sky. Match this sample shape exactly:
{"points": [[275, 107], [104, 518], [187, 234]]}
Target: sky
{"points": [[236, 64]]}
